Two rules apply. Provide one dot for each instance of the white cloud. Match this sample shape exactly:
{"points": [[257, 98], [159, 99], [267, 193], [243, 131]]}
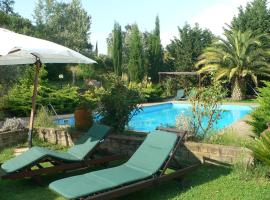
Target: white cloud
{"points": [[216, 16]]}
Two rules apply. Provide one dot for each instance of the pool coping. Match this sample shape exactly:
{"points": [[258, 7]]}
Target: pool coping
{"points": [[65, 116]]}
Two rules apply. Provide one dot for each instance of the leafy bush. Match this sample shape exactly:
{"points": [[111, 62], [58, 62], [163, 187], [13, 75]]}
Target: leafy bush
{"points": [[18, 100], [149, 92], [92, 97], [261, 115], [229, 138], [119, 104], [44, 118], [261, 148], [169, 86], [205, 112], [13, 124]]}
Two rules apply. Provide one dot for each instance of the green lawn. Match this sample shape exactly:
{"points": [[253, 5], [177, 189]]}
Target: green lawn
{"points": [[208, 182]]}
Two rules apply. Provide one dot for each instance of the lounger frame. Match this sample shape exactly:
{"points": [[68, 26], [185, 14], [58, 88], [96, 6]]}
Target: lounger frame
{"points": [[156, 179], [35, 170]]}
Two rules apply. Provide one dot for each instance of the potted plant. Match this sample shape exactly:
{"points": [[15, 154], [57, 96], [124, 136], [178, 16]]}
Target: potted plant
{"points": [[83, 114]]}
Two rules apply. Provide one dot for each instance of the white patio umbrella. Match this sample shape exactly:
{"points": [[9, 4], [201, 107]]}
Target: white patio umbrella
{"points": [[21, 49]]}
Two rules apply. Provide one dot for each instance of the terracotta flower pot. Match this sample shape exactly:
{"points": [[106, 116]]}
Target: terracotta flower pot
{"points": [[83, 118]]}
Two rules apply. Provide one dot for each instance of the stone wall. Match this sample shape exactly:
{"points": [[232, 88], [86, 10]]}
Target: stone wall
{"points": [[10, 138], [54, 136], [61, 136], [189, 152]]}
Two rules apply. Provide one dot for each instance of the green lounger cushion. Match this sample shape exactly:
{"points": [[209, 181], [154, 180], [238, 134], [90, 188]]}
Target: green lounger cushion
{"points": [[145, 162], [89, 140], [75, 154], [32, 155]]}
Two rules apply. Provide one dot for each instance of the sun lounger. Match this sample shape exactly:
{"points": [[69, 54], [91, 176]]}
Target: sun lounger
{"points": [[81, 155], [145, 168], [180, 94]]}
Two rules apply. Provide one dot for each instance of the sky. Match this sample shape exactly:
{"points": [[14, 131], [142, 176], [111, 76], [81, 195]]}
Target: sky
{"points": [[211, 14]]}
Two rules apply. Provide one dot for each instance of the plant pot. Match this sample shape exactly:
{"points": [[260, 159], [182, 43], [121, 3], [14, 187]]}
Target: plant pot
{"points": [[83, 118]]}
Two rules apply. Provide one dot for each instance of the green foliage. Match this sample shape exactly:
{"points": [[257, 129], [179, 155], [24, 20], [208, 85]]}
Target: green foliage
{"points": [[184, 51], [96, 71], [44, 118], [169, 87], [18, 99], [154, 53], [136, 68], [117, 49], [148, 91], [205, 102], [92, 97], [257, 172], [261, 115], [64, 23], [255, 16], [118, 104], [6, 6], [261, 148], [228, 138], [238, 57]]}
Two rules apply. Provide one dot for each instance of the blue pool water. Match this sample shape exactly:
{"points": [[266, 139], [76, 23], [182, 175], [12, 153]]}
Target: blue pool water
{"points": [[165, 115]]}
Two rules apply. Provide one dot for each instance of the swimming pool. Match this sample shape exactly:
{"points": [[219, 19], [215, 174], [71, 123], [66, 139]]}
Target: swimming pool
{"points": [[165, 115]]}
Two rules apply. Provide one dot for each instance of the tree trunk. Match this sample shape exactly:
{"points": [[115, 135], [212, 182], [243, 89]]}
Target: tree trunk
{"points": [[239, 89]]}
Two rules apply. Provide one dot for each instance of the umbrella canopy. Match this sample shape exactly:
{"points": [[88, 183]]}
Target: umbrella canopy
{"points": [[21, 49]]}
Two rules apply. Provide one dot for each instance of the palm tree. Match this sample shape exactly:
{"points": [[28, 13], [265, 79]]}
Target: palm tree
{"points": [[238, 57]]}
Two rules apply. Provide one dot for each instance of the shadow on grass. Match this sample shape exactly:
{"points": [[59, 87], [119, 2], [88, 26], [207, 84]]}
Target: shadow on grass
{"points": [[173, 189]]}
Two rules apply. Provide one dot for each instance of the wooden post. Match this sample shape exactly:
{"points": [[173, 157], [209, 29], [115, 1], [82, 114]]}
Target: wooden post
{"points": [[32, 116]]}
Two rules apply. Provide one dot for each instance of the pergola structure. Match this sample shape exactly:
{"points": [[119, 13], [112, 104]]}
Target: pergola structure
{"points": [[180, 74]]}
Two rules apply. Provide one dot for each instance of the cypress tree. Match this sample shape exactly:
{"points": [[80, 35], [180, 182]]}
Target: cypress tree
{"points": [[136, 69], [117, 49], [155, 52]]}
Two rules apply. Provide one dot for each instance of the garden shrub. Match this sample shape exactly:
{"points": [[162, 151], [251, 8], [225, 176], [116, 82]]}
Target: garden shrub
{"points": [[169, 86], [44, 118], [17, 102], [119, 104], [13, 124], [261, 115], [149, 92], [205, 111], [92, 97], [260, 148]]}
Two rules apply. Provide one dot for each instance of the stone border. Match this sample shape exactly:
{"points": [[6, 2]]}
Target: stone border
{"points": [[189, 152], [10, 138]]}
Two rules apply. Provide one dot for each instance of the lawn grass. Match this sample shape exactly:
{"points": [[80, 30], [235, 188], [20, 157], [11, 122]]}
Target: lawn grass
{"points": [[229, 138], [208, 182], [228, 100]]}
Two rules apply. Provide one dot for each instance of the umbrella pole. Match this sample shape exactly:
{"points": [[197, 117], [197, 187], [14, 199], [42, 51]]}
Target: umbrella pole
{"points": [[31, 122]]}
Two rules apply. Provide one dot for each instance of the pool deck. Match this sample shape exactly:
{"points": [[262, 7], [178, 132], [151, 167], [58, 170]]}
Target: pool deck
{"points": [[187, 102]]}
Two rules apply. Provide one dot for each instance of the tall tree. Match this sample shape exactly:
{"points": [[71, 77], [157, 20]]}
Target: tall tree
{"points": [[255, 16], [136, 69], [239, 56], [6, 6], [185, 50], [117, 49], [154, 52], [96, 49], [65, 23]]}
